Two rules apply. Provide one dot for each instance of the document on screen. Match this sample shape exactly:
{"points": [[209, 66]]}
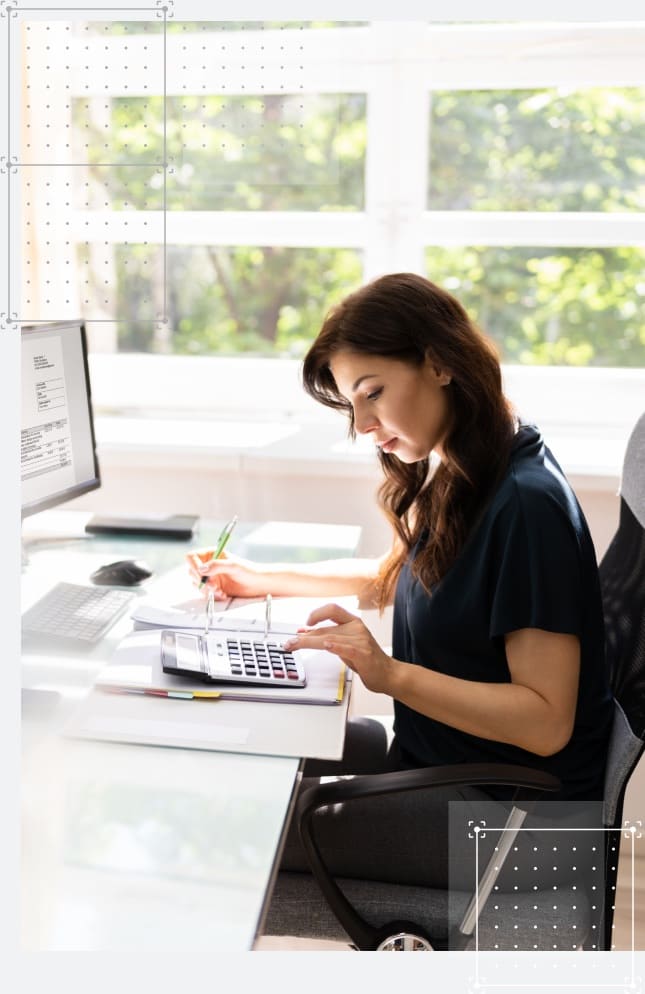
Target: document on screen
{"points": [[46, 453]]}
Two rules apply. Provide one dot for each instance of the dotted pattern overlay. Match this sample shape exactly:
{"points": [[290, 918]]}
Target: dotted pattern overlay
{"points": [[546, 916], [66, 159], [76, 147]]}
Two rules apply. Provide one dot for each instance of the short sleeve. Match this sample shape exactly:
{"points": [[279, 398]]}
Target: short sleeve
{"points": [[536, 569]]}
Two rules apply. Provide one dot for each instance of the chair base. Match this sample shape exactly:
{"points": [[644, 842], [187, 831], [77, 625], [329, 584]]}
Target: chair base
{"points": [[298, 908], [405, 942]]}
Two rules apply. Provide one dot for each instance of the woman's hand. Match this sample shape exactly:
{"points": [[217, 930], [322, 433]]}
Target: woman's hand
{"points": [[350, 639], [228, 576]]}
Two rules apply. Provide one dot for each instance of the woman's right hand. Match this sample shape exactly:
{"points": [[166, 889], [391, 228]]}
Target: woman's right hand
{"points": [[228, 576]]}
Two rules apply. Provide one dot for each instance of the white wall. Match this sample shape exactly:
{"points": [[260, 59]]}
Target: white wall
{"points": [[316, 484]]}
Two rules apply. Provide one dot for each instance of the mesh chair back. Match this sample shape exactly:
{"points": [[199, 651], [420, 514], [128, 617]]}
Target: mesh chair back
{"points": [[625, 750], [622, 579]]}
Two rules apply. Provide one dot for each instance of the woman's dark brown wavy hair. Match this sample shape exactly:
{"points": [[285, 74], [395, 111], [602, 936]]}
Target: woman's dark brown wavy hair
{"points": [[406, 317]]}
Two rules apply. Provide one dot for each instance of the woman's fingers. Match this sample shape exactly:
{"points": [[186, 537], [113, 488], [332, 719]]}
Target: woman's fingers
{"points": [[201, 564], [345, 648], [305, 640], [331, 612], [210, 566], [194, 561], [353, 643], [197, 561], [322, 638]]}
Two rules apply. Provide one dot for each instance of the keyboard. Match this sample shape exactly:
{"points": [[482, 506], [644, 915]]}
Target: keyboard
{"points": [[75, 613]]}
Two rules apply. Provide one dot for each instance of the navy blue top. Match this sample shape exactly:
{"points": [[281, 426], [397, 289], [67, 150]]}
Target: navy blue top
{"points": [[529, 563]]}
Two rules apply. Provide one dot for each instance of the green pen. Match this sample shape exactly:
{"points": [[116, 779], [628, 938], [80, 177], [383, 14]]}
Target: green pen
{"points": [[224, 536]]}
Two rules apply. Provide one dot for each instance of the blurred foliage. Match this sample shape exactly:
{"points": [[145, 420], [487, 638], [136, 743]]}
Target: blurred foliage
{"points": [[268, 152], [561, 306], [259, 299], [539, 150]]}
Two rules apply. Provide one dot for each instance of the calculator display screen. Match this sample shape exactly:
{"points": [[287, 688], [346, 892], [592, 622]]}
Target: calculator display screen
{"points": [[187, 652]]}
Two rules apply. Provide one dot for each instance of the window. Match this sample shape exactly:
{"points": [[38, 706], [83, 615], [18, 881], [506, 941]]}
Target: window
{"points": [[505, 161], [551, 306], [551, 150]]}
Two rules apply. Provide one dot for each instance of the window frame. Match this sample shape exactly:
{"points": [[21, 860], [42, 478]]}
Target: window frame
{"points": [[396, 64]]}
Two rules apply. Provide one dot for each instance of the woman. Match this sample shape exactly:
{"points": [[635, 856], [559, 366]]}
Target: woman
{"points": [[498, 643]]}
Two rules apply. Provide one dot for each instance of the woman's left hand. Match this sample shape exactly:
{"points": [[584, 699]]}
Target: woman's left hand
{"points": [[349, 639]]}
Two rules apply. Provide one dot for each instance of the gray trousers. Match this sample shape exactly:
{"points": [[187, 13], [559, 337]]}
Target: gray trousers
{"points": [[426, 838]]}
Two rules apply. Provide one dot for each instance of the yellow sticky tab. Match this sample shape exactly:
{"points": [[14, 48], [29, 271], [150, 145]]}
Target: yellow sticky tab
{"points": [[341, 684]]}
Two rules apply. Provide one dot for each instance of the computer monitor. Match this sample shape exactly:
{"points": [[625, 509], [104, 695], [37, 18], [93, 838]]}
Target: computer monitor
{"points": [[57, 445]]}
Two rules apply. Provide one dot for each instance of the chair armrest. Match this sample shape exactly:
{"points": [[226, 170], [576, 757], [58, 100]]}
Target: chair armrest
{"points": [[463, 774], [529, 782]]}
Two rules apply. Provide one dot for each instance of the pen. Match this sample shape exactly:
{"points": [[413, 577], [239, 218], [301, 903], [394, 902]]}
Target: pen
{"points": [[210, 608], [267, 616], [224, 536]]}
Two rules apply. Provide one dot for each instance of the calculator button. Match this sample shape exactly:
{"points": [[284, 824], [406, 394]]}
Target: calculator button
{"points": [[255, 661]]}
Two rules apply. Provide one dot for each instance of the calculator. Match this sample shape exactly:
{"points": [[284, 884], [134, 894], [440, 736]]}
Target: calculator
{"points": [[230, 657]]}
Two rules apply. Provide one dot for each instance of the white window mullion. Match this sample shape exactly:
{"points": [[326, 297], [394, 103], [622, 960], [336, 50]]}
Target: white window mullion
{"points": [[396, 159], [533, 228], [227, 63], [315, 229]]}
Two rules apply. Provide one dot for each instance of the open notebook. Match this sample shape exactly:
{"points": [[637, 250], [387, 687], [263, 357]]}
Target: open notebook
{"points": [[239, 614]]}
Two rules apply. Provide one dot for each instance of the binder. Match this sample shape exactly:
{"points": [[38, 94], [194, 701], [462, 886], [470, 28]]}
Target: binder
{"points": [[136, 667], [240, 613]]}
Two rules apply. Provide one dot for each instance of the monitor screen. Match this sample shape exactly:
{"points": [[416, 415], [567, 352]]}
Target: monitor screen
{"points": [[57, 446]]}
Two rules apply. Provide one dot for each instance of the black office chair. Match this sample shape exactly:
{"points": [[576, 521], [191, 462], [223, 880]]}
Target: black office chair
{"points": [[374, 915]]}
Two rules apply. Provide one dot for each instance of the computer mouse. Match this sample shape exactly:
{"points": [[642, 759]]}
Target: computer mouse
{"points": [[124, 573]]}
